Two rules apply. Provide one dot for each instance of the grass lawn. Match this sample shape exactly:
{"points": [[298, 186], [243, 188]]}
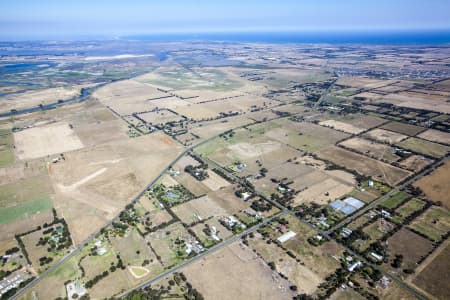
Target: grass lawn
{"points": [[24, 209], [395, 200]]}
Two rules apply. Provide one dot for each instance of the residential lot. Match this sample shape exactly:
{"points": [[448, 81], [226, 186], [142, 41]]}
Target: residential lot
{"points": [[228, 274], [365, 166]]}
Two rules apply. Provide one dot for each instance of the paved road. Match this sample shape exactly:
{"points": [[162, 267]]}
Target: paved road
{"points": [[204, 254], [373, 204], [283, 212], [74, 251]]}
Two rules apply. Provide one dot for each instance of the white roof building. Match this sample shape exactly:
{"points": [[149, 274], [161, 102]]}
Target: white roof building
{"points": [[287, 236]]}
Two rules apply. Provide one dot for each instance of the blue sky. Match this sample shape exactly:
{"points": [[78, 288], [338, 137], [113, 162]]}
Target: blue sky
{"points": [[39, 18]]}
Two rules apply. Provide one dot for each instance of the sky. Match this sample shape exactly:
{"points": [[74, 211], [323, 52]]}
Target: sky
{"points": [[57, 18]]}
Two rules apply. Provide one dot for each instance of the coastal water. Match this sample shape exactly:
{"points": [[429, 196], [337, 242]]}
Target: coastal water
{"points": [[347, 37]]}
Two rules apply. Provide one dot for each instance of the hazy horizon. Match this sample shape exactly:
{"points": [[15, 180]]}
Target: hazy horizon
{"points": [[25, 19]]}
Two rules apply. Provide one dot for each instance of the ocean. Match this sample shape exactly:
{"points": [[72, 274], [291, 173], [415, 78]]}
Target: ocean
{"points": [[347, 37]]}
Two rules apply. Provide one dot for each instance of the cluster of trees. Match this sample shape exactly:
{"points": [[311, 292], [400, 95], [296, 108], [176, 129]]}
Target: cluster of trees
{"points": [[150, 293], [45, 260], [261, 205], [96, 279], [198, 172]]}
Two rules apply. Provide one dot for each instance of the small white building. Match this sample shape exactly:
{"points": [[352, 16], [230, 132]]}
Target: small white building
{"points": [[354, 266], [246, 195], [287, 236], [376, 256]]}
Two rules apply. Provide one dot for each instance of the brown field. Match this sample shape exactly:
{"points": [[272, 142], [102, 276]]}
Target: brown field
{"points": [[433, 278], [168, 180], [341, 126], [347, 294], [363, 82], [185, 161], [437, 103], [94, 125], [372, 149], [322, 193], [160, 117], [213, 128], [310, 178], [105, 178], [424, 147], [416, 163], [436, 185], [128, 96], [34, 98], [270, 152], [9, 230], [364, 165], [193, 185], [409, 244], [306, 280], [235, 272], [436, 136], [363, 121], [199, 209], [215, 182], [47, 140], [305, 136], [385, 136], [403, 128], [163, 242], [157, 215], [227, 200], [319, 259]]}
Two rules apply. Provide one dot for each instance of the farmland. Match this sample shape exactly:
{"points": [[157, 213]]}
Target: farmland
{"points": [[435, 185], [434, 223], [226, 170], [429, 279]]}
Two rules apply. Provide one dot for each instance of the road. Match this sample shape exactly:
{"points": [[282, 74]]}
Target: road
{"points": [[204, 254], [283, 212], [373, 204], [77, 249]]}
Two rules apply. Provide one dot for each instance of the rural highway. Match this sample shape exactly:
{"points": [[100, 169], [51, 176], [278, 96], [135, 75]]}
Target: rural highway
{"points": [[77, 249], [373, 204], [202, 255], [227, 242]]}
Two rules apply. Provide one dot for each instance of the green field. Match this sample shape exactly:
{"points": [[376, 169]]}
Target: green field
{"points": [[433, 223], [23, 190], [424, 147], [6, 148], [180, 78], [395, 200], [407, 209], [24, 209]]}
